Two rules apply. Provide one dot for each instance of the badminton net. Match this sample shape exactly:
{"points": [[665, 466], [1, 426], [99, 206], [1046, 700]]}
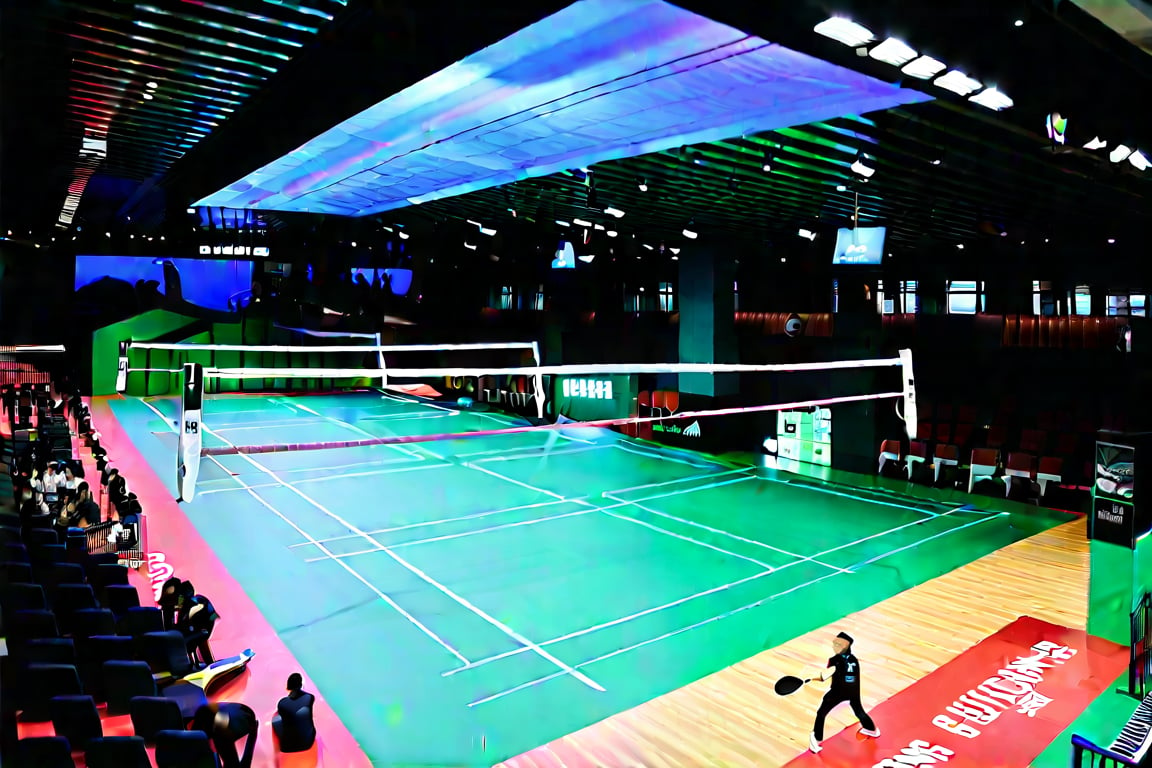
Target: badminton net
{"points": [[637, 400]]}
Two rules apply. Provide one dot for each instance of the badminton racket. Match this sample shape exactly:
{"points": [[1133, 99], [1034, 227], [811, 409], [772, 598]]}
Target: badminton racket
{"points": [[788, 685]]}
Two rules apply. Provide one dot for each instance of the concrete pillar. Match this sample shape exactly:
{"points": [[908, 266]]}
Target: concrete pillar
{"points": [[707, 316]]}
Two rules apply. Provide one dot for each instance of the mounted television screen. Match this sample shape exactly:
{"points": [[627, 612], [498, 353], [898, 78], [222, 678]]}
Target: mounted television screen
{"points": [[207, 283], [400, 280], [863, 245], [565, 257]]}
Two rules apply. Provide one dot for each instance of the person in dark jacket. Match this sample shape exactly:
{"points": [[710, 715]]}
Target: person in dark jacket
{"points": [[195, 620], [293, 724], [226, 723]]}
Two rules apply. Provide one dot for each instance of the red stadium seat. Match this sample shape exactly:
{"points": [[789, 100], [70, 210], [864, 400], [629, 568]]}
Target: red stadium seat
{"points": [[1066, 444], [997, 434], [924, 431], [962, 435], [1020, 464], [985, 462], [889, 452], [945, 456], [1051, 470], [1033, 441], [672, 400], [917, 454], [966, 414], [943, 433]]}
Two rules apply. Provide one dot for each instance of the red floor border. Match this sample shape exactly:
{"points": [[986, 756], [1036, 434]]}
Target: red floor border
{"points": [[172, 534]]}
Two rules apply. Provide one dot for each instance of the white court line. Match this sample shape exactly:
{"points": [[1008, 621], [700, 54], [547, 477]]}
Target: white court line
{"points": [[344, 424], [657, 456], [437, 522], [720, 531], [234, 490], [657, 609], [830, 492], [416, 622], [370, 473], [511, 633], [523, 454], [409, 416], [690, 540], [703, 622], [619, 491], [446, 537], [273, 425]]}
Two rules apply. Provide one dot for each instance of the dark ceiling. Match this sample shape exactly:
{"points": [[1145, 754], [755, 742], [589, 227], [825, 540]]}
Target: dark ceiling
{"points": [[948, 172]]}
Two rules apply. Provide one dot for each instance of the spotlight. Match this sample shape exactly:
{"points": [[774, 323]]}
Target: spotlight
{"points": [[642, 184], [960, 246], [924, 68], [860, 166], [1018, 23], [611, 233], [1111, 241], [958, 82], [992, 98], [353, 243], [768, 159], [894, 52], [845, 31]]}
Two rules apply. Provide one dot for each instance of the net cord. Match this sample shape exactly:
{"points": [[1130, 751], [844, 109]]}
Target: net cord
{"points": [[403, 439], [190, 347], [534, 371]]}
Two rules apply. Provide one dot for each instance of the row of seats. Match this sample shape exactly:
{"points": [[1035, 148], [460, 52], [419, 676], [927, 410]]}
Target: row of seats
{"points": [[984, 464], [175, 748]]}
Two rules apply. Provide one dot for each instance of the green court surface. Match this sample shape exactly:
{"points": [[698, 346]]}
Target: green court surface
{"points": [[462, 601], [1101, 722]]}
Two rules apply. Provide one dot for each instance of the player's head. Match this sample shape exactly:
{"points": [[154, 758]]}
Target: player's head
{"points": [[842, 643], [295, 682]]}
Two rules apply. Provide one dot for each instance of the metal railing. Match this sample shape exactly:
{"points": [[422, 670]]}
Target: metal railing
{"points": [[1140, 657]]}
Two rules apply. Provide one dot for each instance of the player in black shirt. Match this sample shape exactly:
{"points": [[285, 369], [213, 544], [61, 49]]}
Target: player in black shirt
{"points": [[844, 671]]}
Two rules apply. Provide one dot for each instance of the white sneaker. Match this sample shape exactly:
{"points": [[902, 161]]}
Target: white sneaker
{"points": [[813, 745], [873, 733]]}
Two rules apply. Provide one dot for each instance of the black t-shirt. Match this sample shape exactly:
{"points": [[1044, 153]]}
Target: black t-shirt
{"points": [[846, 672], [88, 511]]}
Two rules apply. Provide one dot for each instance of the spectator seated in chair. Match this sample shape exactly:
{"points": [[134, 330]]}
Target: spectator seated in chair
{"points": [[196, 618], [226, 723], [293, 723], [170, 601], [87, 509]]}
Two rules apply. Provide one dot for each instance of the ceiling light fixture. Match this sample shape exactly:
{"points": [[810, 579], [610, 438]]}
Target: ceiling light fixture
{"points": [[587, 259], [647, 246], [563, 223], [960, 246], [992, 98], [642, 184], [404, 235], [1096, 143], [473, 223], [1057, 126], [1111, 241], [924, 68], [581, 223], [767, 166], [845, 31], [807, 234], [675, 251], [598, 227], [487, 231], [689, 232], [861, 167], [958, 82], [894, 52], [147, 97], [1018, 23], [469, 246], [1139, 161], [619, 214], [1120, 153]]}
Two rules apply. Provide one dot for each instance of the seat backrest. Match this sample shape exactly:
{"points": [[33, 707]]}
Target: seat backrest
{"points": [[73, 597], [45, 752], [93, 621], [139, 621], [15, 573], [152, 714], [67, 573], [985, 457], [119, 598], [76, 718], [165, 652], [183, 749], [117, 752], [50, 650], [22, 597], [1019, 461], [950, 452], [26, 625], [918, 449], [124, 680], [1051, 465], [104, 648]]}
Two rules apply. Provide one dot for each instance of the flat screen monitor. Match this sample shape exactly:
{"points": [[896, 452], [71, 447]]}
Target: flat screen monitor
{"points": [[565, 257], [862, 245], [207, 283]]}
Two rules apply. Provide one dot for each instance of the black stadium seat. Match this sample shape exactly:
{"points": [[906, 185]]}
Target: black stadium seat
{"points": [[50, 650], [92, 621], [76, 719], [139, 621], [117, 752], [44, 752], [44, 681], [165, 653], [184, 749], [119, 599], [152, 714]]}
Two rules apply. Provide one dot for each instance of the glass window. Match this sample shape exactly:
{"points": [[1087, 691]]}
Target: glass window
{"points": [[631, 301], [736, 296], [538, 303], [667, 298], [1082, 300], [965, 297], [1136, 304], [505, 297]]}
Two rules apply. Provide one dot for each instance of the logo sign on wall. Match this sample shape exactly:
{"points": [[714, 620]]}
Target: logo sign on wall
{"points": [[593, 389], [1113, 495]]}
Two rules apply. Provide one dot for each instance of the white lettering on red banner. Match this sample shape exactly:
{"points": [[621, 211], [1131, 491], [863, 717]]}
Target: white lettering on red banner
{"points": [[917, 753], [1013, 688]]}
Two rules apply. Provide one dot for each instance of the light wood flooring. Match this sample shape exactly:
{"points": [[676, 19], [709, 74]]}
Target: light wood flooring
{"points": [[722, 719]]}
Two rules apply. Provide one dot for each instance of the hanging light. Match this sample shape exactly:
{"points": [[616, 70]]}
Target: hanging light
{"points": [[689, 231]]}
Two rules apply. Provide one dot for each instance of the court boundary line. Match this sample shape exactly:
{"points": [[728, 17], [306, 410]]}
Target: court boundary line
{"points": [[656, 609], [339, 422], [511, 633], [355, 574], [720, 617], [720, 531]]}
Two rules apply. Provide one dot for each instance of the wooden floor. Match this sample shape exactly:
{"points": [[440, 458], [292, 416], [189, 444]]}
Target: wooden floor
{"points": [[733, 718]]}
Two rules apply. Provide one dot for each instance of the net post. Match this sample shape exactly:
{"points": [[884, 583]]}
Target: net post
{"points": [[911, 419], [538, 380], [190, 442], [122, 369], [380, 361]]}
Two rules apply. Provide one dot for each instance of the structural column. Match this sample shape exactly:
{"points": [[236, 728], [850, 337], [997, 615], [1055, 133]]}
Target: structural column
{"points": [[707, 316]]}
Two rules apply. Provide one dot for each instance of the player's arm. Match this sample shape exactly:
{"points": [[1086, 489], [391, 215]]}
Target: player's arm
{"points": [[823, 674]]}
